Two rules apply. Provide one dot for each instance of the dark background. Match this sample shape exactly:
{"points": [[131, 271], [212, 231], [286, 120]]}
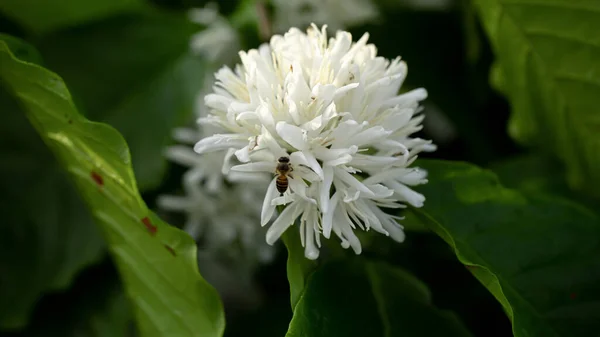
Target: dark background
{"points": [[448, 54]]}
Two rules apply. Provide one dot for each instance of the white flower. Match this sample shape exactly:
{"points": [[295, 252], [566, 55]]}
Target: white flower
{"points": [[218, 40], [219, 215], [332, 107], [338, 14]]}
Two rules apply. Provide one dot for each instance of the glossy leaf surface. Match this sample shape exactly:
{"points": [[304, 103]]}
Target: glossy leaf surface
{"points": [[157, 262], [537, 254]]}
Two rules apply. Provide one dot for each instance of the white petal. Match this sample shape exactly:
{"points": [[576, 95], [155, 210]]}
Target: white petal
{"points": [[227, 161], [283, 222], [380, 191], [366, 161], [340, 92], [313, 163], [285, 199], [186, 135], [414, 198], [255, 167], [183, 155], [247, 116], [326, 188], [293, 135], [243, 154], [352, 239], [344, 159], [408, 98], [326, 154], [265, 115], [310, 251], [267, 208], [352, 181], [387, 175], [328, 216], [172, 203], [299, 187], [351, 194], [267, 141], [220, 142], [370, 136], [313, 124], [415, 176]]}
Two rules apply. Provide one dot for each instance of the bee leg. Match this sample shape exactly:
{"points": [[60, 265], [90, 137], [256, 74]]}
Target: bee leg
{"points": [[290, 175]]}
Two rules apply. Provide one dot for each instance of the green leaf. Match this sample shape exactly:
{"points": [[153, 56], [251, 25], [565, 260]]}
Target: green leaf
{"points": [[135, 73], [157, 262], [46, 236], [299, 267], [41, 16], [355, 297], [549, 55], [533, 173], [537, 255]]}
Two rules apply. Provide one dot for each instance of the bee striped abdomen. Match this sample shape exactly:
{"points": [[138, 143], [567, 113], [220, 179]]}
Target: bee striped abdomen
{"points": [[282, 183], [282, 169]]}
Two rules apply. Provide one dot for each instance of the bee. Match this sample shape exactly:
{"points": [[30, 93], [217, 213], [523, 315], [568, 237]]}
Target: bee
{"points": [[283, 170]]}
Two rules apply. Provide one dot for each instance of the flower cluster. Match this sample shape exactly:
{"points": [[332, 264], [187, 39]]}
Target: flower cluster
{"points": [[332, 107], [221, 214]]}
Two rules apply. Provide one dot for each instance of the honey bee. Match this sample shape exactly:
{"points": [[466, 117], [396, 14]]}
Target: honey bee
{"points": [[283, 170]]}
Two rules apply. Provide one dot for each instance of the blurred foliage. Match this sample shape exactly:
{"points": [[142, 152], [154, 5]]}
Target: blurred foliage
{"points": [[549, 67], [40, 16], [527, 236]]}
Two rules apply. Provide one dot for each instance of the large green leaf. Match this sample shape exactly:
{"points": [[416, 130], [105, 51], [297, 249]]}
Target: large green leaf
{"points": [[133, 72], [46, 235], [549, 58], [298, 267], [538, 255], [40, 16], [535, 173], [355, 297], [157, 262]]}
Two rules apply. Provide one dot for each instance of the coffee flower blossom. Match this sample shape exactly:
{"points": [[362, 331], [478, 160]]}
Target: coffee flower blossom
{"points": [[332, 107]]}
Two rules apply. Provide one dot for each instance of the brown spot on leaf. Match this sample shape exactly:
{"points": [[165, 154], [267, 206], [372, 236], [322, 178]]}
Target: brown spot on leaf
{"points": [[149, 226], [572, 296], [171, 250], [70, 121], [97, 178]]}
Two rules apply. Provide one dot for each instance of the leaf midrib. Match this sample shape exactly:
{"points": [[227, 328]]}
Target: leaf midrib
{"points": [[503, 284]]}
